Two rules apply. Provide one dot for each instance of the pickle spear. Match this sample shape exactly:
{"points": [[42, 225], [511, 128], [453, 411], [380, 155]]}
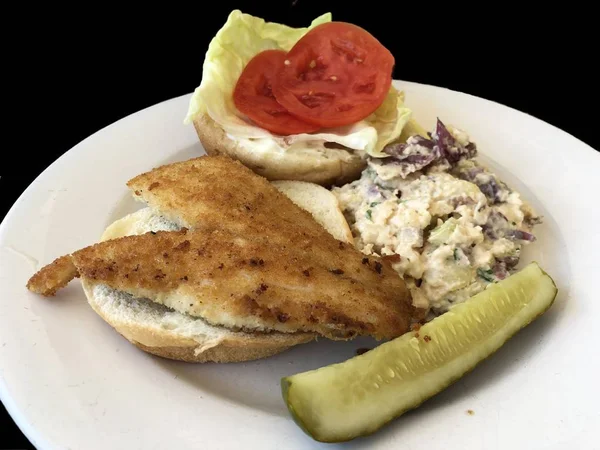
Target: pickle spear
{"points": [[357, 397]]}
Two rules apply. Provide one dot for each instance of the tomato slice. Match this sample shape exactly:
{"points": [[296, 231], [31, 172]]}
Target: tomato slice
{"points": [[253, 96], [335, 75]]}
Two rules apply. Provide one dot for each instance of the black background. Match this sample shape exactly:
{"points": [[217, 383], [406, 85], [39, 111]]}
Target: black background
{"points": [[78, 70]]}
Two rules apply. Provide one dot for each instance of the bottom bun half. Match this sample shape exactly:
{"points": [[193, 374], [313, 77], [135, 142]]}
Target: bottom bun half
{"points": [[166, 333]]}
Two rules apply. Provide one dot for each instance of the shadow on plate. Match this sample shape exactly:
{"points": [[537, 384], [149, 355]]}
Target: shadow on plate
{"points": [[256, 384]]}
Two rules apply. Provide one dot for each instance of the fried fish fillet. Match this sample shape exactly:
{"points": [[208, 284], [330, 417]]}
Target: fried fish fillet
{"points": [[248, 258], [218, 192], [53, 277], [242, 282]]}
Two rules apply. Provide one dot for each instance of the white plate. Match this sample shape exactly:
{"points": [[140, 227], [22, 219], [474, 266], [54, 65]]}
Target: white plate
{"points": [[70, 381]]}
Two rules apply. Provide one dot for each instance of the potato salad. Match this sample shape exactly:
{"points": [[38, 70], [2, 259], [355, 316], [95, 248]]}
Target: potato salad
{"points": [[447, 224]]}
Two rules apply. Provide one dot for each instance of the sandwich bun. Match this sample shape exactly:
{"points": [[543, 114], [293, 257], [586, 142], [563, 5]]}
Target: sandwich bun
{"points": [[323, 166], [166, 333], [321, 203]]}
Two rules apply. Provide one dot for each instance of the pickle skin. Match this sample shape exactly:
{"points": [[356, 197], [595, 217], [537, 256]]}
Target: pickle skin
{"points": [[333, 437]]}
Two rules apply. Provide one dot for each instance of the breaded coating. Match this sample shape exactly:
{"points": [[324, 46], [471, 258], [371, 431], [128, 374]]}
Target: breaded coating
{"points": [[256, 282], [53, 277], [217, 192]]}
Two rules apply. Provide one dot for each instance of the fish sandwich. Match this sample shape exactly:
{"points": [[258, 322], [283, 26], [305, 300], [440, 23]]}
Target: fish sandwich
{"points": [[221, 265]]}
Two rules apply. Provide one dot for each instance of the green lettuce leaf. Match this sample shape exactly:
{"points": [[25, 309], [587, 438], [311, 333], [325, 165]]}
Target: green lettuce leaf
{"points": [[389, 120], [235, 44]]}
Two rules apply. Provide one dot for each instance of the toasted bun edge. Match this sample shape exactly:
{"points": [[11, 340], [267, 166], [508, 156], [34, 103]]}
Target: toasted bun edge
{"points": [[168, 344]]}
